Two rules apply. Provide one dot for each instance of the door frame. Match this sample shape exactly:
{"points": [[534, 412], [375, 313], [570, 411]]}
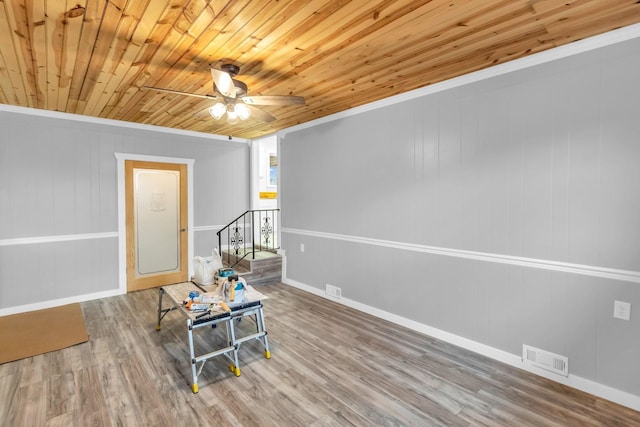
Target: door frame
{"points": [[122, 214]]}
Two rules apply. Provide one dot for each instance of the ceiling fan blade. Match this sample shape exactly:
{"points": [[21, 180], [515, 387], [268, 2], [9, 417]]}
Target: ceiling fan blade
{"points": [[260, 114], [224, 83], [177, 92], [273, 100]]}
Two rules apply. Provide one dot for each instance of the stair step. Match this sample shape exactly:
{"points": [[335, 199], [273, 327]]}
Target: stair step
{"points": [[265, 268]]}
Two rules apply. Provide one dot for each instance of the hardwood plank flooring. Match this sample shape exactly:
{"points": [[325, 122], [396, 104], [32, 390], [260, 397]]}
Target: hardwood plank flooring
{"points": [[330, 366]]}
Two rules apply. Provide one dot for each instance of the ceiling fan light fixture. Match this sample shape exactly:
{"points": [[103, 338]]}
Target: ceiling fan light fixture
{"points": [[242, 111], [232, 116], [217, 110]]}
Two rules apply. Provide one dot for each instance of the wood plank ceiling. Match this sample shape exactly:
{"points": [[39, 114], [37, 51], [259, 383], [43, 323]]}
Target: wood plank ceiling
{"points": [[92, 57]]}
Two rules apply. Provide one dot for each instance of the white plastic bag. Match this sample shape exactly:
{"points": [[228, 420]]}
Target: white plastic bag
{"points": [[204, 268]]}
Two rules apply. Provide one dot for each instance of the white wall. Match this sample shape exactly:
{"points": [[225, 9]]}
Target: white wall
{"points": [[498, 213], [58, 200]]}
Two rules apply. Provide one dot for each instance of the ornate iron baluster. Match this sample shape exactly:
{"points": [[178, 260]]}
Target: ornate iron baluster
{"points": [[237, 239], [266, 230]]}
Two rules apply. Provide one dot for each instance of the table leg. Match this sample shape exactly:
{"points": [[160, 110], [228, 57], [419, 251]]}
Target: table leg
{"points": [[263, 329], [231, 338], [194, 374], [160, 292]]}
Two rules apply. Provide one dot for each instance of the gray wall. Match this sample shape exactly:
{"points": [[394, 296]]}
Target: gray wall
{"points": [[58, 177], [541, 164]]}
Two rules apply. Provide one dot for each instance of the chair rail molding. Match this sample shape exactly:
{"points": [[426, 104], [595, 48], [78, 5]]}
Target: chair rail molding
{"points": [[586, 270]]}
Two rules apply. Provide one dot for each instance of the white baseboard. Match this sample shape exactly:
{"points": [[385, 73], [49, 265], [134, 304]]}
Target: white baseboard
{"points": [[614, 395], [59, 302]]}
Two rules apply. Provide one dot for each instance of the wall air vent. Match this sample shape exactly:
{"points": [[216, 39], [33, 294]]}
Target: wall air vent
{"points": [[333, 291], [543, 359]]}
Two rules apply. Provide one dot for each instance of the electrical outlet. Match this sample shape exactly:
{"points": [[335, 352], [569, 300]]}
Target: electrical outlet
{"points": [[301, 247], [622, 310]]}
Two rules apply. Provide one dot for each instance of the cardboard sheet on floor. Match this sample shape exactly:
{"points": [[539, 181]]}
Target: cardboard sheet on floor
{"points": [[41, 331]]}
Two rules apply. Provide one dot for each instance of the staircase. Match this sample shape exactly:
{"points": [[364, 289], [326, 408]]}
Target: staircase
{"points": [[248, 245]]}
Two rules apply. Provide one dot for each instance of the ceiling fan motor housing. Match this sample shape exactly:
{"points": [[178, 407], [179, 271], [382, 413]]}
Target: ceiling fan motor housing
{"points": [[233, 70]]}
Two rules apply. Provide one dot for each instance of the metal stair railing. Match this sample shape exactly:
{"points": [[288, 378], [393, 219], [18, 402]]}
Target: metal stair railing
{"points": [[241, 235]]}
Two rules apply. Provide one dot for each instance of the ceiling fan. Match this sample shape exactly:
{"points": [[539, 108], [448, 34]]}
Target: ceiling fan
{"points": [[233, 99]]}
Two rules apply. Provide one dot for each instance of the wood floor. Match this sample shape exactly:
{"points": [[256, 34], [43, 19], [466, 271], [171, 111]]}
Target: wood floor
{"points": [[330, 366]]}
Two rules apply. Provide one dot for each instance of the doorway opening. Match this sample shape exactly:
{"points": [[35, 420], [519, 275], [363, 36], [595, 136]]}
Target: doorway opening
{"points": [[265, 178]]}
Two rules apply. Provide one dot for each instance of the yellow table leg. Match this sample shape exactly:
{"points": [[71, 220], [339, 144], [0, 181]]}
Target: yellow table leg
{"points": [[235, 369]]}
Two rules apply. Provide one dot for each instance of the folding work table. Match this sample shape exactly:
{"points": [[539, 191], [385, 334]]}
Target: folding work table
{"points": [[251, 306]]}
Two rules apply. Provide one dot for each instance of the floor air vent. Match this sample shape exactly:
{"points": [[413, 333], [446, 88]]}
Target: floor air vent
{"points": [[545, 360]]}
